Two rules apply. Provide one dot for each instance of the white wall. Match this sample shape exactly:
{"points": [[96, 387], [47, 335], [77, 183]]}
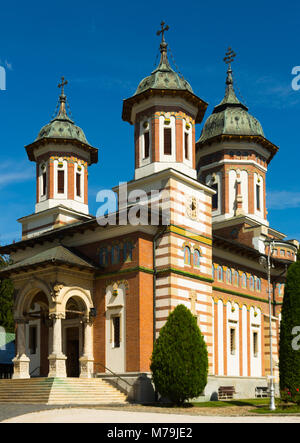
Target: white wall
{"points": [[115, 305]]}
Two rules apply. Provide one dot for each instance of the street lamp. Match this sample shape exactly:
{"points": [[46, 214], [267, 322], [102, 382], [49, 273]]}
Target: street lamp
{"points": [[266, 262]]}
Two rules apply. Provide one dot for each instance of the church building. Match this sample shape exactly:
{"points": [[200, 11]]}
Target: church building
{"points": [[91, 298]]}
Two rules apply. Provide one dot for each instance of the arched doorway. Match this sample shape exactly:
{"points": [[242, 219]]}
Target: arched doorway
{"points": [[73, 335], [37, 334]]}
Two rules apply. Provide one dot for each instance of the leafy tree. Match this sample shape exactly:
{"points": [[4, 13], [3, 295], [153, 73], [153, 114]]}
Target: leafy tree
{"points": [[6, 301], [179, 362], [289, 351]]}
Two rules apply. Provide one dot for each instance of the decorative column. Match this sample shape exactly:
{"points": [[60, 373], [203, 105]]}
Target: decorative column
{"points": [[21, 361], [239, 196], [87, 360], [57, 360]]}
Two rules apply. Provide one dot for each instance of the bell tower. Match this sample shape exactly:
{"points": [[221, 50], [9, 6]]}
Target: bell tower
{"points": [[62, 156], [164, 111], [232, 158]]}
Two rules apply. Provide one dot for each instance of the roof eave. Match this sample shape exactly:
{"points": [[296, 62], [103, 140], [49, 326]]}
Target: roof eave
{"points": [[85, 146], [273, 149], [130, 102]]}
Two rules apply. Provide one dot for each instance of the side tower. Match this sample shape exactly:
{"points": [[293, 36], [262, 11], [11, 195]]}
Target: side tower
{"points": [[62, 156], [232, 157]]}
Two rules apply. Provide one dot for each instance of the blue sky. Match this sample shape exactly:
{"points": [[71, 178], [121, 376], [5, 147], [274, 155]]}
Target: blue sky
{"points": [[104, 49]]}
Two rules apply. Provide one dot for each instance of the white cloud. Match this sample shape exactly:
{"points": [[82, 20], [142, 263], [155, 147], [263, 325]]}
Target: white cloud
{"points": [[283, 200], [15, 173]]}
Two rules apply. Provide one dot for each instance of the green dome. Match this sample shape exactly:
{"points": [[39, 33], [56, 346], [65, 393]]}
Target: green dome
{"points": [[230, 117], [163, 77], [62, 126]]}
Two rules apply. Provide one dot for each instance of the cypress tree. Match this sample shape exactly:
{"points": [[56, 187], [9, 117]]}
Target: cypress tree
{"points": [[179, 362], [289, 351]]}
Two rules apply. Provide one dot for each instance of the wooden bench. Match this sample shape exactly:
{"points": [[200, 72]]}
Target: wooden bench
{"points": [[226, 392], [261, 392]]}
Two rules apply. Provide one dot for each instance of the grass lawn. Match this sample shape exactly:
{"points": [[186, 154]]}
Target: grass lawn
{"points": [[261, 404], [227, 403]]}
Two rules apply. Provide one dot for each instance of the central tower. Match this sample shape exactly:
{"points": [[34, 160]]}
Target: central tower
{"points": [[164, 111]]}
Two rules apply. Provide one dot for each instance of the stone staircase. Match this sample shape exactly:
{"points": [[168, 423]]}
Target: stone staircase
{"points": [[60, 391]]}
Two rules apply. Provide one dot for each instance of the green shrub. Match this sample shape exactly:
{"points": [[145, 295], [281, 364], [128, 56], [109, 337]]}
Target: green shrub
{"points": [[289, 356], [179, 362]]}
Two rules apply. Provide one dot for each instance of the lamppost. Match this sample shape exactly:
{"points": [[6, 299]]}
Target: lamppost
{"points": [[266, 262]]}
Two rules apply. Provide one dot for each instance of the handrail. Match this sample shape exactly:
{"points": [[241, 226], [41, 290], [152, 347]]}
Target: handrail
{"points": [[35, 369], [113, 373]]}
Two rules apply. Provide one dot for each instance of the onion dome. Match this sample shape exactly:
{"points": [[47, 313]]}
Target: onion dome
{"points": [[62, 131], [230, 117], [163, 77], [62, 126], [163, 81]]}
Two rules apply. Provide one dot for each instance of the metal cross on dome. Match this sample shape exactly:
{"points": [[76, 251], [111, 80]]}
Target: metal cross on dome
{"points": [[162, 31], [62, 85], [229, 56]]}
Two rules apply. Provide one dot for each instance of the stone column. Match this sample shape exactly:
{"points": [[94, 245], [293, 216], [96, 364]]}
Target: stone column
{"points": [[21, 361], [57, 360], [87, 360]]}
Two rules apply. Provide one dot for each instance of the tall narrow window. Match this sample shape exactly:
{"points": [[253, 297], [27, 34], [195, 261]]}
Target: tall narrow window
{"points": [[78, 184], [103, 257], [197, 257], [116, 332], [186, 146], [127, 251], [215, 197], [167, 141], [258, 197], [187, 255], [232, 341], [44, 183], [146, 145], [255, 344], [61, 182]]}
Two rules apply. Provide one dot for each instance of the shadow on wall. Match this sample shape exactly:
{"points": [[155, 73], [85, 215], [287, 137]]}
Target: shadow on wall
{"points": [[138, 389], [214, 396]]}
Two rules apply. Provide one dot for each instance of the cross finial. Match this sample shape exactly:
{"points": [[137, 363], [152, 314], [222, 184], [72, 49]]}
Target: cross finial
{"points": [[62, 85], [229, 56], [162, 31]]}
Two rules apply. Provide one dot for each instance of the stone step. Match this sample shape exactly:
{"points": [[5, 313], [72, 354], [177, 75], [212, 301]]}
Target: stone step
{"points": [[60, 391]]}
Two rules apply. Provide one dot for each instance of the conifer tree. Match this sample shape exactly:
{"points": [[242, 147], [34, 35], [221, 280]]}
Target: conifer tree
{"points": [[6, 301], [179, 361], [289, 351]]}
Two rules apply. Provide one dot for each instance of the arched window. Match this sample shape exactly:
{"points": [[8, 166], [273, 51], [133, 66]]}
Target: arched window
{"points": [[258, 284], [229, 276], [115, 254], [236, 278], [220, 273], [187, 255], [103, 257], [197, 256], [251, 283], [244, 281]]}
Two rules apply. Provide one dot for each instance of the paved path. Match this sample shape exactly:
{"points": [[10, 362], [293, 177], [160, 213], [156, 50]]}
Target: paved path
{"points": [[80, 415]]}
